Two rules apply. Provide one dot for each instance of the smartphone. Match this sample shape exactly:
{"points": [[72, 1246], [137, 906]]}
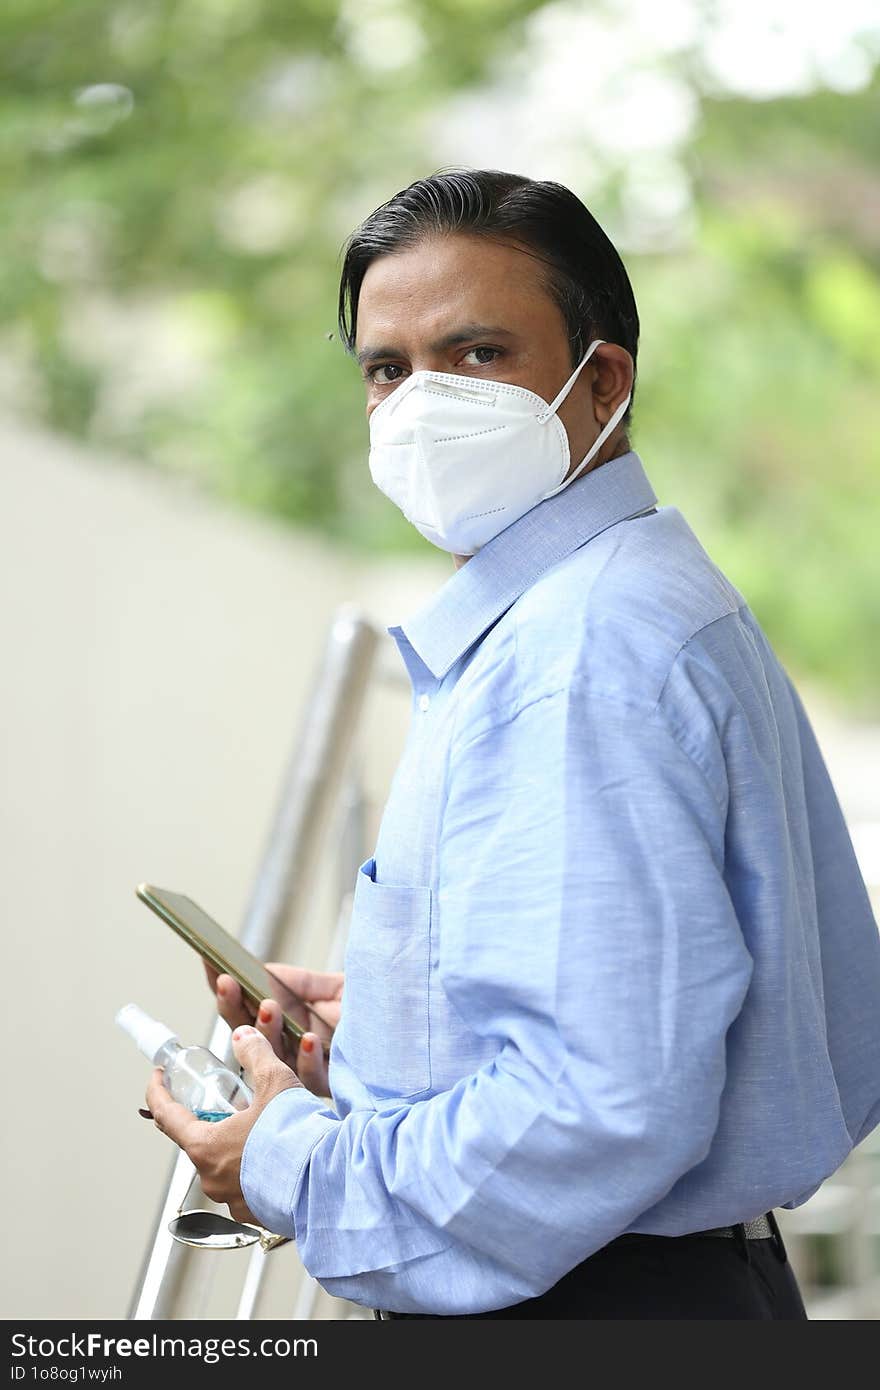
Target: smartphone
{"points": [[224, 953]]}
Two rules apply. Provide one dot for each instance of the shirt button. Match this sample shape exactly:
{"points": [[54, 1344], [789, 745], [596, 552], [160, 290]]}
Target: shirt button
{"points": [[424, 702]]}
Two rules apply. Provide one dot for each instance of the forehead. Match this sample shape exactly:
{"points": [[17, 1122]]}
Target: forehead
{"points": [[444, 280]]}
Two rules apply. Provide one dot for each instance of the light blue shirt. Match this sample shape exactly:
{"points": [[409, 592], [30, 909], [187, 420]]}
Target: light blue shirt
{"points": [[612, 966]]}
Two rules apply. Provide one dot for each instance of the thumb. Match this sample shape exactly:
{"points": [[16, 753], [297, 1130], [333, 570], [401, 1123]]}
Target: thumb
{"points": [[255, 1053]]}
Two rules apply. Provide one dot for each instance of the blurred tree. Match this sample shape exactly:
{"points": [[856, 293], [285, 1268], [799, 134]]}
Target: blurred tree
{"points": [[759, 407], [177, 178]]}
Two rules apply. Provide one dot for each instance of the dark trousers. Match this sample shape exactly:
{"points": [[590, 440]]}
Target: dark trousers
{"points": [[694, 1276]]}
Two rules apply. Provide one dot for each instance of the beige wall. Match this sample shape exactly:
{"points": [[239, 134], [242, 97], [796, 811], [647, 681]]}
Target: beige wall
{"points": [[157, 652]]}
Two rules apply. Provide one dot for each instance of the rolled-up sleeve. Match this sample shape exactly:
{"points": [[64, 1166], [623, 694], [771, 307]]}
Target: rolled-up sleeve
{"points": [[586, 933]]}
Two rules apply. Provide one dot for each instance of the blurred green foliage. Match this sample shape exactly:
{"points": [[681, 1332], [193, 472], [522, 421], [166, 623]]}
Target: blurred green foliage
{"points": [[759, 410], [177, 180]]}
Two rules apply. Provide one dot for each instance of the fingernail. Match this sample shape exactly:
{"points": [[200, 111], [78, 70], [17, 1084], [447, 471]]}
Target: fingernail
{"points": [[308, 1043], [265, 1013], [243, 1032], [147, 1114]]}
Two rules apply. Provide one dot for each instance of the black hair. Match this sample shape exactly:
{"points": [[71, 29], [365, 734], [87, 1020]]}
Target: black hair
{"points": [[585, 275]]}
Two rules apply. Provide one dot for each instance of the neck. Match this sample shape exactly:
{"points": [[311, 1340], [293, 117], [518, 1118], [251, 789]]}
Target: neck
{"points": [[611, 449]]}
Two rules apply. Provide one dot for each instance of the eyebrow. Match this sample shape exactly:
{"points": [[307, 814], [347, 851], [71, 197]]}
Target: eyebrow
{"points": [[465, 334]]}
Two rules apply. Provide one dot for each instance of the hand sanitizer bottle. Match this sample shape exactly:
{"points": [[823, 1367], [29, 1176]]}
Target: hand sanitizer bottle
{"points": [[193, 1075]]}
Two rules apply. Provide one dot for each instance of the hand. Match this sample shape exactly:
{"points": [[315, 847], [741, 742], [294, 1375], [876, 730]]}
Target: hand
{"points": [[298, 990], [216, 1149]]}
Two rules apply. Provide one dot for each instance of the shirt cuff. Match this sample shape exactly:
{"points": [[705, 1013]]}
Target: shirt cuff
{"points": [[276, 1152]]}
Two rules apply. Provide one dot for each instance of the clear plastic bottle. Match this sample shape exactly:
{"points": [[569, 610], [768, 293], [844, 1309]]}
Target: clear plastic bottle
{"points": [[193, 1075]]}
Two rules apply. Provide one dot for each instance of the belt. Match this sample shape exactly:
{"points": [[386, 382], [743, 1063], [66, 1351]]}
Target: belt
{"points": [[761, 1228]]}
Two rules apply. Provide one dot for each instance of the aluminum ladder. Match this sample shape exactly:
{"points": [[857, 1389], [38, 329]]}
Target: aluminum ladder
{"points": [[319, 780]]}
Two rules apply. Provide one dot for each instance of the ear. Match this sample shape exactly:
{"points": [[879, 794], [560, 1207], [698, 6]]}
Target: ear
{"points": [[613, 373]]}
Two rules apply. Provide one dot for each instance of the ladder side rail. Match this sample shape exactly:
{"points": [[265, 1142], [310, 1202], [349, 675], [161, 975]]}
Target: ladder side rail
{"points": [[310, 787], [350, 843]]}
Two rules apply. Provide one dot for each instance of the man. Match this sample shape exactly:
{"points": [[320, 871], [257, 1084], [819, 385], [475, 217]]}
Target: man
{"points": [[612, 987]]}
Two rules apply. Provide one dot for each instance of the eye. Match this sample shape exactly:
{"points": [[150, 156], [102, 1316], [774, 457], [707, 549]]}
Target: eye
{"points": [[484, 355], [392, 373]]}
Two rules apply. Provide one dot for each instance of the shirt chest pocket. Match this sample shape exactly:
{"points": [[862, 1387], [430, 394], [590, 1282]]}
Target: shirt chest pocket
{"points": [[387, 967]]}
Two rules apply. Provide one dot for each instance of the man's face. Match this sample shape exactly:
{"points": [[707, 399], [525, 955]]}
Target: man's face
{"points": [[466, 304]]}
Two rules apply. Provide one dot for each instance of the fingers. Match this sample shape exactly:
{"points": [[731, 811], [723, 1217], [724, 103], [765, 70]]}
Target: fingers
{"points": [[311, 1065], [311, 997], [268, 1073], [169, 1117], [298, 987], [310, 985], [308, 1060], [268, 1022], [232, 1007]]}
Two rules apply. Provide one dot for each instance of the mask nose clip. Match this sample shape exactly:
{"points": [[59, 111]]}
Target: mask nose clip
{"points": [[481, 394]]}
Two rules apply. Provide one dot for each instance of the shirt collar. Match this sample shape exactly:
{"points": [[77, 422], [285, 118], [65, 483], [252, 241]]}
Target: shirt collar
{"points": [[467, 605]]}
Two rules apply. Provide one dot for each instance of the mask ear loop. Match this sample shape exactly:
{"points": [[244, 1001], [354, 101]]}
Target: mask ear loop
{"points": [[599, 441], [557, 400], [605, 431]]}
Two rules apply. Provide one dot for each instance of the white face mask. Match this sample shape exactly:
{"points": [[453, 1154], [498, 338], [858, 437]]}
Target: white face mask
{"points": [[463, 458]]}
